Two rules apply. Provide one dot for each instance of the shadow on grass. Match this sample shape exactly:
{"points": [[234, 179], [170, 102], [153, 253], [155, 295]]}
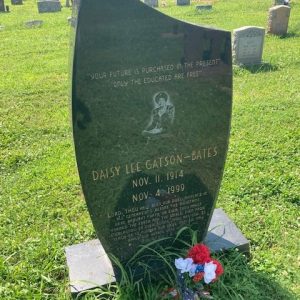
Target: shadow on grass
{"points": [[262, 68], [290, 35]]}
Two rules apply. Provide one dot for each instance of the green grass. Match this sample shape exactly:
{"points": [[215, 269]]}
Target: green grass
{"points": [[42, 209]]}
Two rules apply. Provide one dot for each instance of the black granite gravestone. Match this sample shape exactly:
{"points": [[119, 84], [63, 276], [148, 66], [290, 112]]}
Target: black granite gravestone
{"points": [[151, 103]]}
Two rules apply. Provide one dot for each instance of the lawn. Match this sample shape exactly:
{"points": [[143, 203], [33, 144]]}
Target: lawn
{"points": [[42, 208]]}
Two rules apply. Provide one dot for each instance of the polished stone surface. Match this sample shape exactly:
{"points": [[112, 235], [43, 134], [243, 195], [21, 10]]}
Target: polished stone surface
{"points": [[151, 104], [90, 267]]}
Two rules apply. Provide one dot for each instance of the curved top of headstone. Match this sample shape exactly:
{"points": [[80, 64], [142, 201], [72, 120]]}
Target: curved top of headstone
{"points": [[151, 103]]}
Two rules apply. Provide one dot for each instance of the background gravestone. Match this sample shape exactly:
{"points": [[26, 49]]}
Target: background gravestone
{"points": [[2, 6], [204, 7], [16, 2], [152, 3], [183, 2], [45, 6], [248, 45], [151, 105], [281, 2], [279, 19]]}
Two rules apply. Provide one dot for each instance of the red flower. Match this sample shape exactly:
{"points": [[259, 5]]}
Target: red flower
{"points": [[200, 254], [199, 276], [219, 270]]}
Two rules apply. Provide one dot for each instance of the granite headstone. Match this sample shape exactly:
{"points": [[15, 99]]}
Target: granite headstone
{"points": [[279, 19], [151, 109], [45, 6]]}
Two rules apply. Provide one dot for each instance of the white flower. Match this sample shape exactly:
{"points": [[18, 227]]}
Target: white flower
{"points": [[192, 271], [184, 264], [209, 272]]}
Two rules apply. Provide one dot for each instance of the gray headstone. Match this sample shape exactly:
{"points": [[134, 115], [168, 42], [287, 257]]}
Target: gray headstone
{"points": [[279, 19], [204, 7], [183, 2], [45, 6], [248, 44], [152, 3], [2, 6], [34, 23], [17, 2], [68, 3], [90, 267]]}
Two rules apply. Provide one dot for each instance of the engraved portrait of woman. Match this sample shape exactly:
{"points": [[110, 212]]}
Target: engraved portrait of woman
{"points": [[162, 114]]}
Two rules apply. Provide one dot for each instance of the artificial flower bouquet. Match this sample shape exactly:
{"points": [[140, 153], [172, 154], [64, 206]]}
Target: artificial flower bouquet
{"points": [[196, 272]]}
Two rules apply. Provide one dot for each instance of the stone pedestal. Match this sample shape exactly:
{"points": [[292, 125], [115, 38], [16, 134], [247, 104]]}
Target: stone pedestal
{"points": [[89, 266]]}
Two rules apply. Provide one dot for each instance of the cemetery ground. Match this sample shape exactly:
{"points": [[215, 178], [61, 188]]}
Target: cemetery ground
{"points": [[42, 208]]}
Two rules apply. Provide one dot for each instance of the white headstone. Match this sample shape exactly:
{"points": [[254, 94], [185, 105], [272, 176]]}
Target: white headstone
{"points": [[279, 19], [248, 45]]}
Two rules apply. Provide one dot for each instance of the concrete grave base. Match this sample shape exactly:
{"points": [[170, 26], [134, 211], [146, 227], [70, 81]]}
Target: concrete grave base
{"points": [[90, 267]]}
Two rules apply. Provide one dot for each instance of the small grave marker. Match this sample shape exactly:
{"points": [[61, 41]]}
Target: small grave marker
{"points": [[248, 44], [34, 23], [45, 6], [204, 7], [17, 2], [183, 2], [279, 19]]}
